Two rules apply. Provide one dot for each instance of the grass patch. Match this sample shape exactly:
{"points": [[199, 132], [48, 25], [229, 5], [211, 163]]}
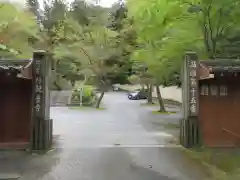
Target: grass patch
{"points": [[222, 164], [149, 104], [165, 101], [164, 113]]}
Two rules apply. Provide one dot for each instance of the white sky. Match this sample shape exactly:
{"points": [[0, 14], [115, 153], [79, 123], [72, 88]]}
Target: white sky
{"points": [[104, 3]]}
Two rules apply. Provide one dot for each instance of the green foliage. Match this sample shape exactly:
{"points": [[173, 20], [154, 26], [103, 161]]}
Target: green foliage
{"points": [[167, 29], [88, 90], [216, 20], [17, 27], [78, 38], [134, 79], [126, 41], [81, 45], [86, 42], [153, 32], [57, 33], [89, 96], [118, 14], [62, 83]]}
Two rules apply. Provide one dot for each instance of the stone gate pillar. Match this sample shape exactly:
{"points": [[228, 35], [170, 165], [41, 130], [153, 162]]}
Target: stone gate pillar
{"points": [[41, 139], [189, 127]]}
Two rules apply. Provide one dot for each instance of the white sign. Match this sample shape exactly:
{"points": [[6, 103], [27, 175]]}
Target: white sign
{"points": [[81, 95], [38, 88], [193, 86]]}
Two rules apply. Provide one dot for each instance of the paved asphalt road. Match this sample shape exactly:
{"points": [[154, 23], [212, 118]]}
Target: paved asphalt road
{"points": [[118, 143]]}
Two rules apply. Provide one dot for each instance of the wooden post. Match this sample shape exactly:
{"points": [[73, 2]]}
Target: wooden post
{"points": [[41, 139], [189, 131]]}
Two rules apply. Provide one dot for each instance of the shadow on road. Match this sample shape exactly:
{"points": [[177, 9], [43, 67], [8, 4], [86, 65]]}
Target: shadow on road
{"points": [[27, 166]]}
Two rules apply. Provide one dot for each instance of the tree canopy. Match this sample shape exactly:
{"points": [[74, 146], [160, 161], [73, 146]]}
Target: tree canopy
{"points": [[16, 36], [139, 38], [166, 29]]}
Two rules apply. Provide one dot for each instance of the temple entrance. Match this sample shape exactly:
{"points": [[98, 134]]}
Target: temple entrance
{"points": [[24, 106], [211, 101]]}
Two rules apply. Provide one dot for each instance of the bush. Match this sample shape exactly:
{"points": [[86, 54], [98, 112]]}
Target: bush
{"points": [[88, 99]]}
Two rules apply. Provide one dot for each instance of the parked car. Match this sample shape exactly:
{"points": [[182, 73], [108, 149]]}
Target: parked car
{"points": [[114, 88], [137, 95]]}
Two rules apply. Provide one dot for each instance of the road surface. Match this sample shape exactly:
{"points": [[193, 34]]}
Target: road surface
{"points": [[118, 143]]}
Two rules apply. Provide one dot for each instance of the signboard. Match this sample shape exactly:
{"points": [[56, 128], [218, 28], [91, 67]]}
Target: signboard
{"points": [[81, 95], [189, 127], [39, 95], [41, 138], [192, 63]]}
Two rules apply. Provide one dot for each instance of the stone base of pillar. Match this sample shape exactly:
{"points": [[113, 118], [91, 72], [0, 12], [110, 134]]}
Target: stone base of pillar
{"points": [[42, 135]]}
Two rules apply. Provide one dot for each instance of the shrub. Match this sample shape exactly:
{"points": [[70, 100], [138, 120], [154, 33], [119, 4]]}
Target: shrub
{"points": [[88, 99]]}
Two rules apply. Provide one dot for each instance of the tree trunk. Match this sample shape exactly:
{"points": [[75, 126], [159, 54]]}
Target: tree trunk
{"points": [[150, 101], [100, 99], [147, 85], [160, 100], [73, 82]]}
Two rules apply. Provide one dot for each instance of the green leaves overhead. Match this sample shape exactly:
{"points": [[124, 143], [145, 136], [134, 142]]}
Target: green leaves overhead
{"points": [[155, 21], [17, 26], [217, 20], [168, 28]]}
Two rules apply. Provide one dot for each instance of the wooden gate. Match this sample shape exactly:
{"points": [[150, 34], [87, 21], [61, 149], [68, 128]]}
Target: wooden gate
{"points": [[219, 110], [216, 121], [15, 106], [24, 104]]}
